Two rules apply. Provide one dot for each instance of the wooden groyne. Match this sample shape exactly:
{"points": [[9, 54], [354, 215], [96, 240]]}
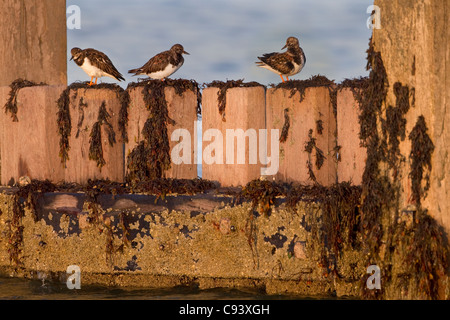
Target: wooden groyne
{"points": [[306, 185]]}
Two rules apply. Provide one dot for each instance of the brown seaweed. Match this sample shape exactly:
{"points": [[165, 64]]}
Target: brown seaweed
{"points": [[223, 88], [64, 118], [16, 85], [286, 126], [95, 141], [300, 86], [422, 148]]}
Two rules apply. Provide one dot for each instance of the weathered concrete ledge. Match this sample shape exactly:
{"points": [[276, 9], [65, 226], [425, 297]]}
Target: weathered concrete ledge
{"points": [[297, 240], [205, 240]]}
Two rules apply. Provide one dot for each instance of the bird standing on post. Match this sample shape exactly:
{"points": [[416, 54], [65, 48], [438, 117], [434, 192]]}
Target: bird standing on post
{"points": [[95, 63], [286, 63], [163, 64]]}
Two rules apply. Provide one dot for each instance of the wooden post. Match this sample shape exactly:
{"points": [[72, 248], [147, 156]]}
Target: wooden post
{"points": [[30, 146], [418, 32], [79, 168], [182, 109], [33, 41], [351, 154], [311, 118], [245, 111]]}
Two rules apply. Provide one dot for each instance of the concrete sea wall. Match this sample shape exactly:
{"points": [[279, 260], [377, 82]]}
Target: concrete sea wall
{"points": [[201, 240]]}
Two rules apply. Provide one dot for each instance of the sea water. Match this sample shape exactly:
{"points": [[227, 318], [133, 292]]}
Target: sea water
{"points": [[25, 289]]}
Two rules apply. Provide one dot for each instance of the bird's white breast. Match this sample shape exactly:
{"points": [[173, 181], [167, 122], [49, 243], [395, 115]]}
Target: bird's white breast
{"points": [[297, 69], [92, 70], [164, 73]]}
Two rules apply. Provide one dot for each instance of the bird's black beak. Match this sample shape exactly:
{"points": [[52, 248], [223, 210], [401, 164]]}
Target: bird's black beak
{"points": [[186, 52], [71, 59], [285, 46]]}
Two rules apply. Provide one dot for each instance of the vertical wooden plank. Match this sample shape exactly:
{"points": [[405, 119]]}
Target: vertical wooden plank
{"points": [[245, 111], [79, 167], [33, 41], [303, 117], [31, 145], [211, 120], [3, 99], [181, 109], [352, 155], [418, 32]]}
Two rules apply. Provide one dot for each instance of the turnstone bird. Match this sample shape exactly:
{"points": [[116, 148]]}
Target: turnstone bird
{"points": [[95, 63], [287, 63], [163, 64]]}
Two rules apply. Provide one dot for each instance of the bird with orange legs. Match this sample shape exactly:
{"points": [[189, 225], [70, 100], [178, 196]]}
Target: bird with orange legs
{"points": [[163, 64], [95, 63], [287, 63]]}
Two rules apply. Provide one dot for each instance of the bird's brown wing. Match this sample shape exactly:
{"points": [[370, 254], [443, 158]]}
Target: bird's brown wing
{"points": [[281, 62], [155, 64], [101, 61]]}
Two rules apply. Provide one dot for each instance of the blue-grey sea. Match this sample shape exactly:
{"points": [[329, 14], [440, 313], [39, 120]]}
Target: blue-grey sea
{"points": [[224, 37], [25, 289]]}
